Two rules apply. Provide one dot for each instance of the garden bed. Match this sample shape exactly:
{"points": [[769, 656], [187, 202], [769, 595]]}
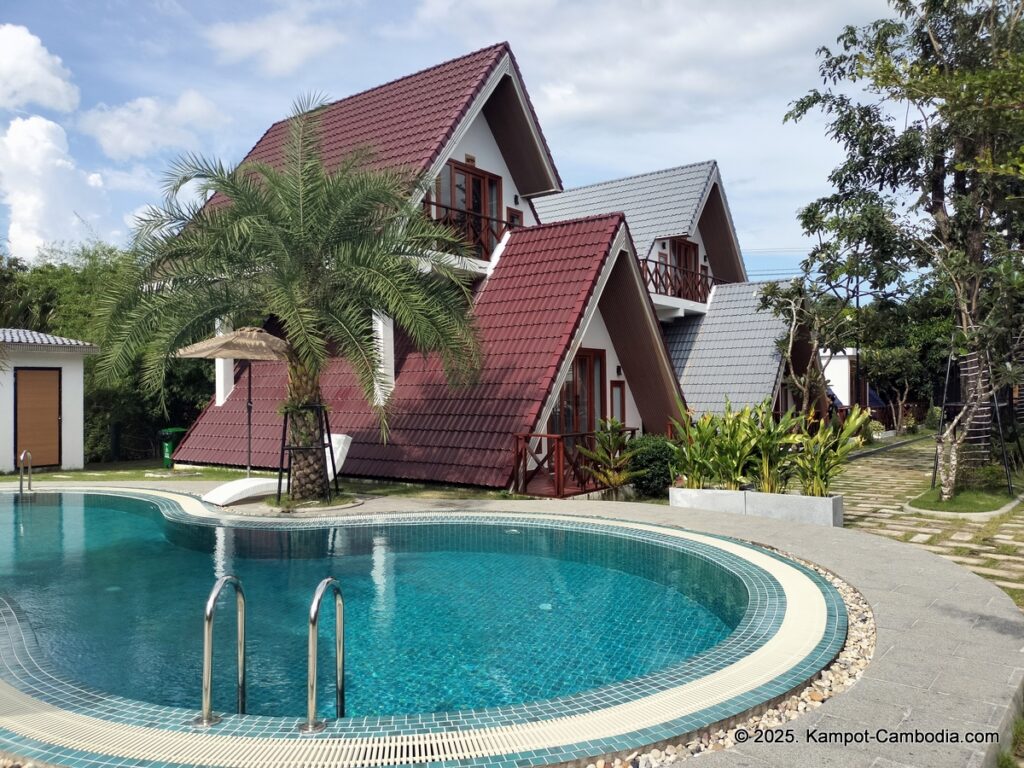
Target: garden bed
{"points": [[813, 510]]}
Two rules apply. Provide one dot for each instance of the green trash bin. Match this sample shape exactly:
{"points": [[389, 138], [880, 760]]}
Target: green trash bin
{"points": [[169, 439]]}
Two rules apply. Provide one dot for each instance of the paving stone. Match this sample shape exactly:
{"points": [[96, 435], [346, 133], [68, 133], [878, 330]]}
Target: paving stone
{"points": [[999, 572], [965, 560], [961, 536], [920, 538], [1008, 584]]}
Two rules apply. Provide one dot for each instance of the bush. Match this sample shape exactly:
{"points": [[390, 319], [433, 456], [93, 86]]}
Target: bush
{"points": [[653, 456], [867, 436], [910, 424], [822, 454], [932, 418], [876, 426], [991, 477]]}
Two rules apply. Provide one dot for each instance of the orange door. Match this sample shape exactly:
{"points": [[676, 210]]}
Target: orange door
{"points": [[37, 414]]}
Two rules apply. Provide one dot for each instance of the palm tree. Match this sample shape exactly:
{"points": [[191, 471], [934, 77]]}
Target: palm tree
{"points": [[321, 251]]}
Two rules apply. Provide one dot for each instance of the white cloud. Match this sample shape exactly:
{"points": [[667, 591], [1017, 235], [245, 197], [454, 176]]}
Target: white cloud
{"points": [[146, 125], [30, 74], [278, 43], [49, 199]]}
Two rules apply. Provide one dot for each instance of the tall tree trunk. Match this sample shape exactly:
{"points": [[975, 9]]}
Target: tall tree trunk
{"points": [[309, 478]]}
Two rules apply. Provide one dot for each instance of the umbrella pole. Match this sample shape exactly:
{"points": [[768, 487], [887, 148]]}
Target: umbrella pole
{"points": [[248, 423]]}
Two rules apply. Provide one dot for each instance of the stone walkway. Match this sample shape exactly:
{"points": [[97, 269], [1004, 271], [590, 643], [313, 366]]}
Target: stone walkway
{"points": [[875, 488]]}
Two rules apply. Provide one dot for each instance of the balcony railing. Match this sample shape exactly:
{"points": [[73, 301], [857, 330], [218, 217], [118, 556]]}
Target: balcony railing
{"points": [[481, 233], [552, 465], [670, 280]]}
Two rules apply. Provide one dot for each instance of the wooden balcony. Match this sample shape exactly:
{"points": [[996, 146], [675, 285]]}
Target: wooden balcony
{"points": [[481, 233], [552, 465], [669, 280]]}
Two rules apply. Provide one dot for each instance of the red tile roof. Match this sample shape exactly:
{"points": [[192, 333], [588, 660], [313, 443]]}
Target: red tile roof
{"points": [[527, 313], [405, 123]]}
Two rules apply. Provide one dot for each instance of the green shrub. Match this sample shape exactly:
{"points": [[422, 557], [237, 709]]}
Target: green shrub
{"points": [[867, 436], [653, 457], [990, 477], [876, 426], [932, 418], [733, 458], [774, 443], [823, 454], [610, 457], [910, 424], [695, 444]]}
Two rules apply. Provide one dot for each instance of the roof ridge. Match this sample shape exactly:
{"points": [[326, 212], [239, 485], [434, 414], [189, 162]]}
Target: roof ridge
{"points": [[630, 178], [578, 220], [502, 45]]}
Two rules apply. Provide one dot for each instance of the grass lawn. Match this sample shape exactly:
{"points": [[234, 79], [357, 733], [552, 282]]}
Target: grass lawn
{"points": [[970, 500]]}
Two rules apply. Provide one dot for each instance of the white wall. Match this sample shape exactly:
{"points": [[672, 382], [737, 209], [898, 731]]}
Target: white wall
{"points": [[693, 237], [596, 337], [837, 373], [72, 403], [479, 142]]}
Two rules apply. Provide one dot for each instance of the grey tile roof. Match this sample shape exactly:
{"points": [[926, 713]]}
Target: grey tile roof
{"points": [[729, 353], [660, 204], [680, 336], [36, 339]]}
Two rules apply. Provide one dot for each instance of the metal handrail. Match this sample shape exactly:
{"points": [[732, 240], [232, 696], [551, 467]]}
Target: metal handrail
{"points": [[207, 717], [21, 471], [312, 725]]}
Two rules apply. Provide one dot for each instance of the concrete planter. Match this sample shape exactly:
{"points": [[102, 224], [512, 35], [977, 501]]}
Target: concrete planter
{"points": [[813, 510], [711, 499]]}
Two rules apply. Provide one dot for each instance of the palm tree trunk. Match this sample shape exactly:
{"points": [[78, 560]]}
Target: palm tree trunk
{"points": [[309, 478]]}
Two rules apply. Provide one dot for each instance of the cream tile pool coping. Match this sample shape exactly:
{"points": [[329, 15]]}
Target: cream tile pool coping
{"points": [[798, 637]]}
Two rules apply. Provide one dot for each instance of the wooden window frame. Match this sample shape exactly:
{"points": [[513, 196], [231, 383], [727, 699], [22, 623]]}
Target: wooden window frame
{"points": [[511, 214]]}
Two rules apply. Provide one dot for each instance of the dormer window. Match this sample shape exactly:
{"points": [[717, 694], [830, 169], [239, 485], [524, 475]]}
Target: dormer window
{"points": [[469, 200]]}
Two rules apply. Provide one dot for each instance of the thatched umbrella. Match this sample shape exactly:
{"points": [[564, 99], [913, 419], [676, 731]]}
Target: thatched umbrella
{"points": [[244, 344]]}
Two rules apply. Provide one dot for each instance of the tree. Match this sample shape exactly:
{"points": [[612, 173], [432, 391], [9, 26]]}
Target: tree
{"points": [[815, 319], [316, 252], [931, 147]]}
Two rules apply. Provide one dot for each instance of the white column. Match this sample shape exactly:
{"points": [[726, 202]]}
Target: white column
{"points": [[224, 369]]}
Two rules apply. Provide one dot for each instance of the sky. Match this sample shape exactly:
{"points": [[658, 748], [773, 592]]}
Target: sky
{"points": [[97, 99]]}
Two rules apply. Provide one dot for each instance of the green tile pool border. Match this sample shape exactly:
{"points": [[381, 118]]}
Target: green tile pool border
{"points": [[23, 667]]}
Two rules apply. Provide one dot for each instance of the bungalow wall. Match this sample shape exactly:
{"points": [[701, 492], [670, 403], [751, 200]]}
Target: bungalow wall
{"points": [[596, 337], [479, 143]]}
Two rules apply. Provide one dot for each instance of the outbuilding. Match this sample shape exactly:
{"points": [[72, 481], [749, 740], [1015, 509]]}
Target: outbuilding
{"points": [[42, 399]]}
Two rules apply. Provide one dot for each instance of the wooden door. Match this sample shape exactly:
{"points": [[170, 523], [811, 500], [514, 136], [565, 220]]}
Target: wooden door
{"points": [[581, 401], [37, 415]]}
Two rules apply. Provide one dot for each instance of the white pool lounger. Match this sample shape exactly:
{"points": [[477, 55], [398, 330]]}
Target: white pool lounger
{"points": [[247, 487]]}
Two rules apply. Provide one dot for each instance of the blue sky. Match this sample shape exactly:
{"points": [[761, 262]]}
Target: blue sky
{"points": [[97, 98]]}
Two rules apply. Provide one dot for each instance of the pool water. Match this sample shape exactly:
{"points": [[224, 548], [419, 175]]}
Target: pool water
{"points": [[438, 617]]}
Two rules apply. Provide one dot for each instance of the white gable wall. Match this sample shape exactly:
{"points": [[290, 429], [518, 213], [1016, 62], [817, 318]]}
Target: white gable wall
{"points": [[694, 237], [596, 337], [479, 142]]}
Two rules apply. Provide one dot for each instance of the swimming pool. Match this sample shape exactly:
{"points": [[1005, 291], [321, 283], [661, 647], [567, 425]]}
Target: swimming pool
{"points": [[454, 622], [440, 616]]}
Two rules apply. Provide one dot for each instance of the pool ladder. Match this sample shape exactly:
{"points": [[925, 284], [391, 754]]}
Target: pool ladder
{"points": [[312, 725], [25, 455], [207, 717]]}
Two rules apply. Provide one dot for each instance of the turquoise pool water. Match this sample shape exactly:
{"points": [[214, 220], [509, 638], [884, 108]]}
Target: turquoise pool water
{"points": [[439, 617]]}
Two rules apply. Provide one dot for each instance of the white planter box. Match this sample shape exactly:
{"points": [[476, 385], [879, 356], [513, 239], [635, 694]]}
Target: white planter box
{"points": [[813, 510], [711, 499]]}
